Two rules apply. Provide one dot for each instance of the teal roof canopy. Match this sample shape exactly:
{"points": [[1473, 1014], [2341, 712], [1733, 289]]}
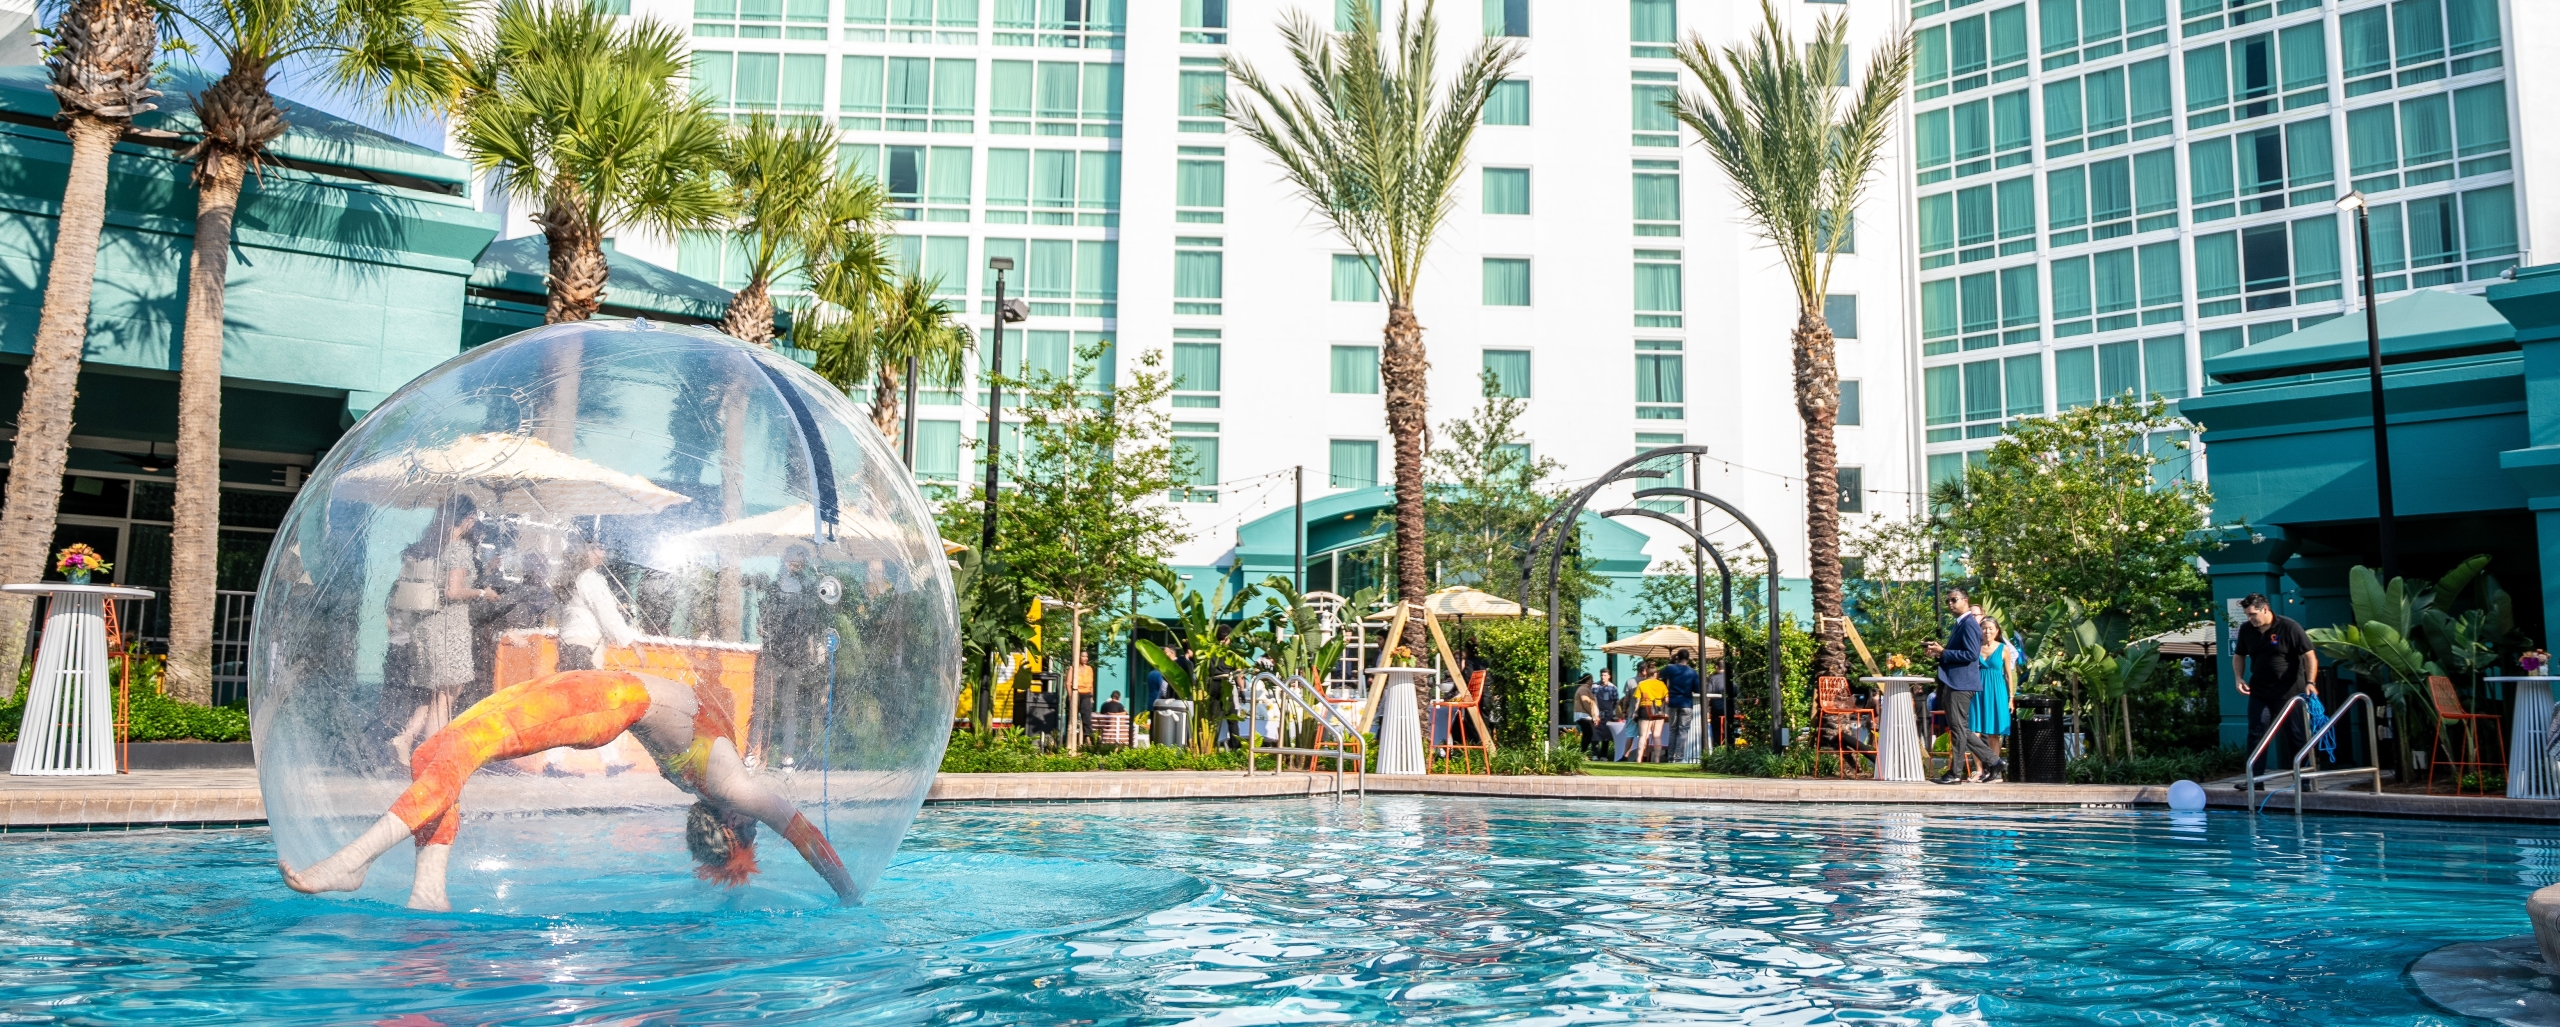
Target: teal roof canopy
{"points": [[632, 286], [2421, 326]]}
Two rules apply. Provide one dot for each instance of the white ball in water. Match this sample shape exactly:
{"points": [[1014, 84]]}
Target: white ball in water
{"points": [[2186, 797]]}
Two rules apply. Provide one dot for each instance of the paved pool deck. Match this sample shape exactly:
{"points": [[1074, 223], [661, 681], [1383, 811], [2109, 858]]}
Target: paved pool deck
{"points": [[221, 798]]}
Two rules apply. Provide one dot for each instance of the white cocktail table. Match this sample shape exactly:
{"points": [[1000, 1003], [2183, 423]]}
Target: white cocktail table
{"points": [[2530, 774], [1898, 755], [70, 723], [1400, 719]]}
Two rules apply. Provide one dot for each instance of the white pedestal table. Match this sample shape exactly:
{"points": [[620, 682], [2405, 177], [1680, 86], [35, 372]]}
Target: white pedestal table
{"points": [[70, 722], [1400, 719], [2530, 774], [1898, 754]]}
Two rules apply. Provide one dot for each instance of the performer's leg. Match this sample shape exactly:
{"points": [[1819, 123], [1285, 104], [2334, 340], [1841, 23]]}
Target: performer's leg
{"points": [[344, 870]]}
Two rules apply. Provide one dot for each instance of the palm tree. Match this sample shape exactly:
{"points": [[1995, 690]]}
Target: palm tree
{"points": [[102, 61], [590, 121], [779, 181], [904, 325], [384, 52], [1378, 146], [1798, 155]]}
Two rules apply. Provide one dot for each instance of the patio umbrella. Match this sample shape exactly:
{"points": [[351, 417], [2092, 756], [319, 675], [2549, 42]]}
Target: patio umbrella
{"points": [[1661, 642], [1460, 603], [507, 474], [775, 531]]}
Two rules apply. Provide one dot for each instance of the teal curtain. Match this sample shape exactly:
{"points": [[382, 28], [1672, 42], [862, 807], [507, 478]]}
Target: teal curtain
{"points": [[2110, 190], [910, 85], [2471, 25], [2018, 296], [2101, 19], [2214, 342], [947, 176], [1942, 392], [2426, 129], [2253, 67], [2119, 368], [2315, 250], [1008, 87], [1355, 370], [1840, 313], [1976, 218], [2061, 113], [2145, 15], [1660, 377], [1199, 183], [2480, 119], [2164, 367], [2112, 280], [860, 12], [955, 86], [1509, 103], [858, 159], [1196, 366], [2071, 288], [2209, 170], [2489, 222], [1937, 222], [1008, 178], [1103, 85], [1053, 178], [1506, 191], [2208, 78], [2308, 154], [2075, 378], [1651, 21], [2155, 181], [2147, 84], [2066, 197], [909, 12], [1199, 275], [1506, 282], [1049, 353], [2417, 32], [2304, 51], [1060, 88], [2373, 142], [1203, 453], [938, 450], [1097, 269], [1852, 412], [1982, 397], [1929, 138], [2163, 284], [2431, 232], [952, 14], [2364, 42], [1354, 464], [1355, 279], [1657, 197], [1098, 179], [2024, 380], [2061, 22], [2261, 156], [858, 93], [1938, 309], [2008, 35], [1649, 113], [1201, 91], [2018, 207], [2390, 239], [1658, 288], [1929, 55], [1052, 271], [1968, 47], [1510, 369], [2011, 123], [2103, 92], [1981, 302]]}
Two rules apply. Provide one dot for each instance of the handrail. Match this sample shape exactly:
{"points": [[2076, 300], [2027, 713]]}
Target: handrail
{"points": [[2373, 756], [2249, 770], [1319, 710]]}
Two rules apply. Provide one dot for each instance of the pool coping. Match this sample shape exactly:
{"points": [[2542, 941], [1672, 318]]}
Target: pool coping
{"points": [[208, 798]]}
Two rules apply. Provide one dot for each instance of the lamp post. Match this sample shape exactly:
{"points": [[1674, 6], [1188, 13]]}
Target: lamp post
{"points": [[2354, 201], [1006, 311]]}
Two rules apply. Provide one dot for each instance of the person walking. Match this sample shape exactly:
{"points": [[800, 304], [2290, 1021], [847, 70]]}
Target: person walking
{"points": [[2002, 665], [1586, 712], [2272, 659], [590, 617], [450, 553], [1959, 661], [1652, 701], [1681, 680]]}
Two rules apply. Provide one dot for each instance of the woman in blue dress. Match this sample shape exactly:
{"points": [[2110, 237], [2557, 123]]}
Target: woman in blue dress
{"points": [[2002, 666]]}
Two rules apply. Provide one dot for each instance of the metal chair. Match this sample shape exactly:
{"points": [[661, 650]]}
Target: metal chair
{"points": [[2449, 712], [1448, 747], [1832, 700]]}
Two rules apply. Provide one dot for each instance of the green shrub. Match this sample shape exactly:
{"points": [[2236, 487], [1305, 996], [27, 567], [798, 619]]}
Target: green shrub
{"points": [[2158, 768], [1013, 752], [1754, 761], [1536, 760], [156, 717]]}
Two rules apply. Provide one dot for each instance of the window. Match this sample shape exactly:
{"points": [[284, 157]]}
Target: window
{"points": [[1508, 104], [2107, 108], [1853, 489], [1067, 98], [912, 21], [2072, 31], [1657, 275], [1976, 218], [2268, 266], [2252, 168], [1051, 272], [1975, 138], [1506, 190], [763, 83], [1200, 185], [1204, 21], [1506, 18], [1196, 367], [1091, 25], [1970, 53], [1840, 311], [894, 94], [1660, 381], [1061, 187], [1355, 370], [2430, 238], [2420, 138], [1652, 27], [2106, 195], [1355, 279], [1977, 307], [1201, 97], [2140, 369], [1195, 444], [1199, 274], [765, 19], [944, 259], [2125, 288], [2416, 37], [938, 450], [1506, 281], [1354, 464], [1657, 197], [1651, 111], [1852, 412], [1674, 470], [1974, 400], [2256, 76], [914, 176], [1510, 371]]}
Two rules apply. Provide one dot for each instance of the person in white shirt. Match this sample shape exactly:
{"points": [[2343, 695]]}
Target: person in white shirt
{"points": [[590, 616]]}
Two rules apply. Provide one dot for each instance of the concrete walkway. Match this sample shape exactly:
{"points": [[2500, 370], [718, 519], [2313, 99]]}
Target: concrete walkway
{"points": [[223, 797]]}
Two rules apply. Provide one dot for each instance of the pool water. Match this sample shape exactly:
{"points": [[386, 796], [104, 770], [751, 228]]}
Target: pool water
{"points": [[1402, 909]]}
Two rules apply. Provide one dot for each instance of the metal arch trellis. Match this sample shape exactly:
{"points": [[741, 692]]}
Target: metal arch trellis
{"points": [[1704, 545], [1551, 534], [1777, 672]]}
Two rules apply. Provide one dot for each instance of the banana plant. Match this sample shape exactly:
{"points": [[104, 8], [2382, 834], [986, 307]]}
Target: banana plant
{"points": [[1291, 634], [995, 622], [2089, 651], [2381, 645], [1215, 653]]}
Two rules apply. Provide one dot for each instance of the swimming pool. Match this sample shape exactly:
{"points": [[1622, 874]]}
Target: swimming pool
{"points": [[1402, 909]]}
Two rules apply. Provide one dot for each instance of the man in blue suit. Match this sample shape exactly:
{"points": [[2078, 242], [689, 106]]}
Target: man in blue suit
{"points": [[1960, 686]]}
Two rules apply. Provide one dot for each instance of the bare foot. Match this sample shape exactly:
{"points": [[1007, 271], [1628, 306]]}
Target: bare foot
{"points": [[426, 890], [322, 876]]}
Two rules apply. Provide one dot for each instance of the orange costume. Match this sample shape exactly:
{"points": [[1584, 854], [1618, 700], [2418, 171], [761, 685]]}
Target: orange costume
{"points": [[579, 709]]}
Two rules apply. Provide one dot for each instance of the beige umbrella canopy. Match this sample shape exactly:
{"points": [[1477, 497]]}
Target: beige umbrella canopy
{"points": [[1458, 602], [507, 474], [1661, 642], [774, 532]]}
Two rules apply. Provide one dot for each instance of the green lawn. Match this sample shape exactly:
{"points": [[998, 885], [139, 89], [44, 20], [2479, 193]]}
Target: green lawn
{"points": [[1598, 769]]}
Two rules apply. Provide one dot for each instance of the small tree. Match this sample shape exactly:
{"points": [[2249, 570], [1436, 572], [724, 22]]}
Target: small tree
{"points": [[1488, 491]]}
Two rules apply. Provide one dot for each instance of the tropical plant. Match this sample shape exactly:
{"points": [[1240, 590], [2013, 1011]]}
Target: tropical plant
{"points": [[386, 54], [585, 116], [869, 340], [1799, 155], [995, 623], [2093, 657], [2406, 631], [1291, 634], [781, 183], [1378, 146], [101, 57], [1207, 627]]}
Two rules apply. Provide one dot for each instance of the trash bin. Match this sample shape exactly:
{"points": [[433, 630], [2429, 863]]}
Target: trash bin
{"points": [[1037, 713], [2039, 727], [1172, 723]]}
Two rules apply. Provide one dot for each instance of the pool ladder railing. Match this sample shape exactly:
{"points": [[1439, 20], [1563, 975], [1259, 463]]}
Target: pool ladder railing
{"points": [[1284, 698], [2298, 777]]}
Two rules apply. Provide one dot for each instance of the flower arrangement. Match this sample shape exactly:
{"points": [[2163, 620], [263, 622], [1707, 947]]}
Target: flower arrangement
{"points": [[1404, 656], [1896, 663], [79, 561], [2536, 663]]}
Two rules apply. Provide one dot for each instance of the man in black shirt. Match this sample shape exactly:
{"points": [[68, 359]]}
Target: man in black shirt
{"points": [[2273, 660]]}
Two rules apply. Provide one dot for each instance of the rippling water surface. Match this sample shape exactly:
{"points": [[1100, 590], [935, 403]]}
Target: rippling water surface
{"points": [[1404, 909]]}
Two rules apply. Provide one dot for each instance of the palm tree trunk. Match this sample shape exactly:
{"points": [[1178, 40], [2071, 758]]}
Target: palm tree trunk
{"points": [[885, 398], [1818, 404], [750, 316], [53, 376], [572, 292], [1405, 369], [195, 526]]}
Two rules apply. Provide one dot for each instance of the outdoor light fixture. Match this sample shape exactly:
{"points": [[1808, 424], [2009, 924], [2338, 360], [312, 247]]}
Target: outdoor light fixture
{"points": [[2383, 527], [2353, 200], [1005, 312]]}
